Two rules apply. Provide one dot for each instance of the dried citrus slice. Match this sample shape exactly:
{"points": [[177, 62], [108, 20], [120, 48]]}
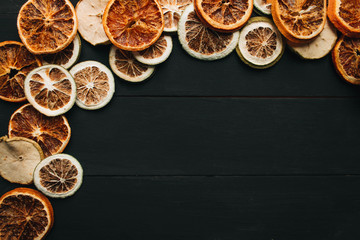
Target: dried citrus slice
{"points": [[346, 59], [224, 15], [345, 15], [260, 44], [25, 214], [15, 63], [58, 176], [133, 25], [156, 53], [299, 20], [172, 10], [18, 159], [200, 41], [262, 7], [51, 133], [47, 26], [67, 57], [95, 84], [125, 66], [90, 13], [50, 89]]}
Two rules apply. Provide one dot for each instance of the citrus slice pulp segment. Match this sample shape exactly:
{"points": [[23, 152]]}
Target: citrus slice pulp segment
{"points": [[125, 66], [51, 90], [47, 26], [51, 133], [202, 42], [156, 53], [262, 6], [95, 84], [15, 63], [25, 214], [172, 10], [133, 25], [345, 15]]}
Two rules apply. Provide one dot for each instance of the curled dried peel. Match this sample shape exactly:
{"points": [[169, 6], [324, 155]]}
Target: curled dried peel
{"points": [[345, 15]]}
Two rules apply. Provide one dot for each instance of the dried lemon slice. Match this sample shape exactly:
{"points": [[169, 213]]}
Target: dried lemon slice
{"points": [[262, 7], [172, 10], [95, 84]]}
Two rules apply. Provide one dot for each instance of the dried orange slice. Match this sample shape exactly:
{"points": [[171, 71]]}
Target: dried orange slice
{"points": [[25, 214], [172, 10], [51, 133], [202, 42], [47, 26], [125, 66], [346, 59], [299, 20], [58, 176], [345, 15], [15, 63], [51, 90], [133, 25], [224, 15]]}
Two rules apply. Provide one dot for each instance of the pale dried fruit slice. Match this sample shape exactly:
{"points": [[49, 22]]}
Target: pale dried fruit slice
{"points": [[25, 214], [262, 7], [133, 25], [172, 10], [95, 85], [47, 26], [18, 159], [67, 57], [51, 133], [51, 90], [200, 41], [260, 44], [90, 13], [125, 66], [156, 53], [224, 15], [58, 176], [299, 20], [345, 15], [346, 59], [15, 63]]}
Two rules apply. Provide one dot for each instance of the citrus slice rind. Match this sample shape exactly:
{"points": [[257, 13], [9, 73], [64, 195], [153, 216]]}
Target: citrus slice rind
{"points": [[202, 42], [51, 90], [156, 53], [172, 10], [125, 66], [95, 85], [262, 7], [58, 176]]}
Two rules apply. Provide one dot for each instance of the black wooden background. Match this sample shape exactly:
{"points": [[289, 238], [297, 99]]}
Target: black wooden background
{"points": [[212, 150]]}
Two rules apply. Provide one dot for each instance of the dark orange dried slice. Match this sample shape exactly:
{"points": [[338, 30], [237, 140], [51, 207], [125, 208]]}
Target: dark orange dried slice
{"points": [[172, 10]]}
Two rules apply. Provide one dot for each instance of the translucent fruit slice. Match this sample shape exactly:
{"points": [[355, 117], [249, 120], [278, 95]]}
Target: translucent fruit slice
{"points": [[15, 63], [172, 10], [262, 7], [51, 90], [200, 41], [18, 159], [47, 26], [156, 53], [58, 176], [133, 25], [346, 59], [25, 214], [125, 66], [51, 133], [260, 44], [95, 84]]}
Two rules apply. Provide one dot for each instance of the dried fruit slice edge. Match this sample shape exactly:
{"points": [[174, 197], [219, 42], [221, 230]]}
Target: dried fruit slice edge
{"points": [[262, 7]]}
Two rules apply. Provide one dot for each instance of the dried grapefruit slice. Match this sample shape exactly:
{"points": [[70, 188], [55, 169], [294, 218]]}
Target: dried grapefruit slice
{"points": [[299, 20], [133, 25], [51, 133], [25, 214], [262, 7], [15, 63], [200, 41], [346, 59], [51, 90], [345, 15], [172, 10], [47, 26], [224, 15], [125, 66], [58, 176], [156, 53], [95, 84]]}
